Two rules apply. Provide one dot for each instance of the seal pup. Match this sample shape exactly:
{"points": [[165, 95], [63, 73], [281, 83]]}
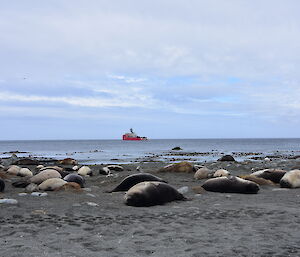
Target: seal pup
{"points": [[274, 175], [75, 178], [230, 184], [150, 193], [134, 179], [291, 179], [2, 185]]}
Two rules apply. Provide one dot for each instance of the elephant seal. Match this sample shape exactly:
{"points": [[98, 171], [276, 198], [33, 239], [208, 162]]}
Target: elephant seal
{"points": [[274, 175], [226, 158], [202, 173], [85, 171], [257, 180], [75, 178], [291, 179], [230, 184], [25, 172], [13, 170], [221, 173], [52, 184], [186, 167], [44, 175], [68, 161], [134, 179], [2, 185], [151, 193]]}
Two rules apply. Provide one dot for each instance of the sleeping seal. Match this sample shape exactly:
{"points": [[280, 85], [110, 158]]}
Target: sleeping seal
{"points": [[291, 179], [75, 178], [44, 175], [230, 185], [134, 179], [151, 193], [272, 174], [52, 184], [2, 185]]}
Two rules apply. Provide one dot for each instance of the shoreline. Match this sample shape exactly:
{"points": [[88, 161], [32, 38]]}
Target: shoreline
{"points": [[94, 223]]}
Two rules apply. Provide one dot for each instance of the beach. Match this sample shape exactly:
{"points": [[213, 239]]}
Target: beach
{"points": [[94, 223]]}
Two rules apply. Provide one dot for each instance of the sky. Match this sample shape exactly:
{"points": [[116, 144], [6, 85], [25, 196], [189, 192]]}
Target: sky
{"points": [[77, 69]]}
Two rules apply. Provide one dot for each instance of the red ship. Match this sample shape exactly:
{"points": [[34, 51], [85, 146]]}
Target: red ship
{"points": [[133, 136]]}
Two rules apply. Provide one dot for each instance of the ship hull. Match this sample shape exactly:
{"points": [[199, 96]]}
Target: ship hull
{"points": [[134, 138]]}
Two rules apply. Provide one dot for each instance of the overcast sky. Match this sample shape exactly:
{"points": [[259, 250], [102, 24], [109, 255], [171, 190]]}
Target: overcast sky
{"points": [[169, 69]]}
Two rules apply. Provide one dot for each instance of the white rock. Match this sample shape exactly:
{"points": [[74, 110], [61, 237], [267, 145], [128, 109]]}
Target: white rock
{"points": [[8, 201]]}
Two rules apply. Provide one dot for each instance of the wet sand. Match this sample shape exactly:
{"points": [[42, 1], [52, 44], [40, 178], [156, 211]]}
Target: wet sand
{"points": [[209, 224]]}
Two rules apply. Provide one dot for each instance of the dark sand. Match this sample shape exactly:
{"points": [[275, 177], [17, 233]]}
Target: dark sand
{"points": [[210, 224]]}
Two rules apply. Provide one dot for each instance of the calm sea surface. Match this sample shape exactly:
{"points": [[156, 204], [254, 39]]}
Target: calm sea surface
{"points": [[118, 151]]}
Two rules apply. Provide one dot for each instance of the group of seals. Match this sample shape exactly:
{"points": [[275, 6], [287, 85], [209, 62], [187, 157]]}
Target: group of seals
{"points": [[145, 189]]}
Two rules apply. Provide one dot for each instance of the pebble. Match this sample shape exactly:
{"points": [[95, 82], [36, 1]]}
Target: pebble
{"points": [[88, 194], [38, 194], [8, 201], [183, 190], [87, 189], [92, 204], [22, 194]]}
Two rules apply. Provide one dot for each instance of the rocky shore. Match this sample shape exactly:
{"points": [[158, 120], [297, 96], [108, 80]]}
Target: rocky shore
{"points": [[90, 222]]}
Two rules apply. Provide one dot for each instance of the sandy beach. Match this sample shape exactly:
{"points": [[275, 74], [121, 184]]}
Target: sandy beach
{"points": [[94, 223]]}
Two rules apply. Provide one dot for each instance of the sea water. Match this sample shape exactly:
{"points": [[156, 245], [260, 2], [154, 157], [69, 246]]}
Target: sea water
{"points": [[119, 151]]}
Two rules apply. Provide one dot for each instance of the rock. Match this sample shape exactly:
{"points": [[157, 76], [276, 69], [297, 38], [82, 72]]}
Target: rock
{"points": [[226, 158], [115, 168], [183, 190], [185, 167], [26, 161], [176, 148], [39, 194], [198, 189], [8, 201]]}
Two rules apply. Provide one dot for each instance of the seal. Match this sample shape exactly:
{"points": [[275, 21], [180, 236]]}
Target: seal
{"points": [[25, 172], [151, 193], [202, 173], [291, 179], [52, 184], [2, 185], [186, 167], [134, 179], [44, 175], [75, 178], [221, 173], [230, 184], [274, 175], [257, 180], [85, 171]]}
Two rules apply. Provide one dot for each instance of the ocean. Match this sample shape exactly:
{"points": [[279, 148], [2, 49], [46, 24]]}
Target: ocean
{"points": [[118, 151]]}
